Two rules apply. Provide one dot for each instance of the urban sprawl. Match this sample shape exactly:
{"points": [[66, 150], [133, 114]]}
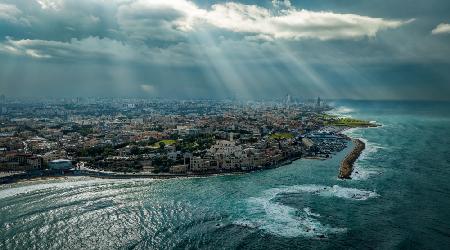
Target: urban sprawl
{"points": [[163, 137]]}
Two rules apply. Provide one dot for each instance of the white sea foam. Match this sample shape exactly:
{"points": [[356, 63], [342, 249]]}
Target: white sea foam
{"points": [[31, 187], [284, 221], [361, 170], [334, 191], [278, 219], [363, 173], [310, 213], [371, 147]]}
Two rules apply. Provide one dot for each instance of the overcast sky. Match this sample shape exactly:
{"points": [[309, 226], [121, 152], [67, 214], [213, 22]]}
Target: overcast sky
{"points": [[358, 49]]}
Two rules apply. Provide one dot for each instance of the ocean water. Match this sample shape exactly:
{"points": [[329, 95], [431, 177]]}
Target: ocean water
{"points": [[399, 198]]}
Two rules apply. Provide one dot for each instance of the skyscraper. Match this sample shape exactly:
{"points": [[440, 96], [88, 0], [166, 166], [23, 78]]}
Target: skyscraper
{"points": [[288, 101]]}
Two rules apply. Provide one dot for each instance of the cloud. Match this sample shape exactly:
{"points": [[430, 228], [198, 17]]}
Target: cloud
{"points": [[157, 19], [91, 47], [10, 13], [295, 24], [50, 4], [98, 49], [170, 20], [443, 28], [173, 32], [183, 46], [158, 22], [281, 3]]}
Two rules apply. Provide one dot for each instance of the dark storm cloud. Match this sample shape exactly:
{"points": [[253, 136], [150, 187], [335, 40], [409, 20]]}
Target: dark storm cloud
{"points": [[250, 49]]}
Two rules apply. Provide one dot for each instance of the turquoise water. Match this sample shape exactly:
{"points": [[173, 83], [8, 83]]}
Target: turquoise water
{"points": [[399, 198]]}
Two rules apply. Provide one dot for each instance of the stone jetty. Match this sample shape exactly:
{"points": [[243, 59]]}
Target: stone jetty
{"points": [[346, 168]]}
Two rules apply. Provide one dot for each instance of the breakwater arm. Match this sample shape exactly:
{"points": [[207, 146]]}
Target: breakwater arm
{"points": [[346, 168]]}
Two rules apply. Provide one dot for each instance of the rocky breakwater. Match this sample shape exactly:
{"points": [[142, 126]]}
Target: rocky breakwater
{"points": [[346, 168]]}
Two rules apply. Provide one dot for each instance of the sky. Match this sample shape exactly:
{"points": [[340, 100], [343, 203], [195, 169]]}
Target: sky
{"points": [[353, 49]]}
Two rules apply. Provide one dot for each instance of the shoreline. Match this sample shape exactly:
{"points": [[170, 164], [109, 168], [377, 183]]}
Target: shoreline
{"points": [[347, 164], [25, 177], [345, 171]]}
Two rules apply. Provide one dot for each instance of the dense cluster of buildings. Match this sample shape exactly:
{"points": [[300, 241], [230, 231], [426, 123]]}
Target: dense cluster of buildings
{"points": [[161, 136]]}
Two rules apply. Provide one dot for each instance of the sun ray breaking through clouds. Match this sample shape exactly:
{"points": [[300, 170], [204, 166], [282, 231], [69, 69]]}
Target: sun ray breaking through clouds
{"points": [[221, 49]]}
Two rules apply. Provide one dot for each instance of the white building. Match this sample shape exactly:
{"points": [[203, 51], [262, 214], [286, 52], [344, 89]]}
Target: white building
{"points": [[227, 154], [199, 165], [60, 164], [226, 148]]}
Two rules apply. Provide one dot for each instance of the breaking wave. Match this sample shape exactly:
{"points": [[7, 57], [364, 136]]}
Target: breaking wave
{"points": [[327, 191], [266, 214], [363, 172], [361, 169], [371, 148]]}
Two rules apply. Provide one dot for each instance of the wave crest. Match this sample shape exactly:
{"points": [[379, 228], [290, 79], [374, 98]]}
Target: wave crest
{"points": [[278, 219]]}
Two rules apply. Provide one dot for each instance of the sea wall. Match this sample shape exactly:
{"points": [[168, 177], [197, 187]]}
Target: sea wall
{"points": [[346, 168]]}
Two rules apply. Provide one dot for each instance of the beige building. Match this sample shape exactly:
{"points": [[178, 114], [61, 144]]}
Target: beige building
{"points": [[178, 169], [198, 164]]}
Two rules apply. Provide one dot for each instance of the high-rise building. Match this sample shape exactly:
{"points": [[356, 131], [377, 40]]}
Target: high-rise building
{"points": [[318, 102], [3, 109], [288, 100]]}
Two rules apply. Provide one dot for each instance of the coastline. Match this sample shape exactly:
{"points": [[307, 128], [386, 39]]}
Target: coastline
{"points": [[345, 171], [346, 168], [25, 177]]}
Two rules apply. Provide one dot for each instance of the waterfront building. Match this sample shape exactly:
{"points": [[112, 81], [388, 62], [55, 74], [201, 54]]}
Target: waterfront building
{"points": [[178, 169], [231, 162], [197, 164], [148, 168], [60, 164], [13, 161]]}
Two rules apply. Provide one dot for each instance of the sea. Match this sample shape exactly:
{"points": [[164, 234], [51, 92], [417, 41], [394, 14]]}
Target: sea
{"points": [[398, 198]]}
